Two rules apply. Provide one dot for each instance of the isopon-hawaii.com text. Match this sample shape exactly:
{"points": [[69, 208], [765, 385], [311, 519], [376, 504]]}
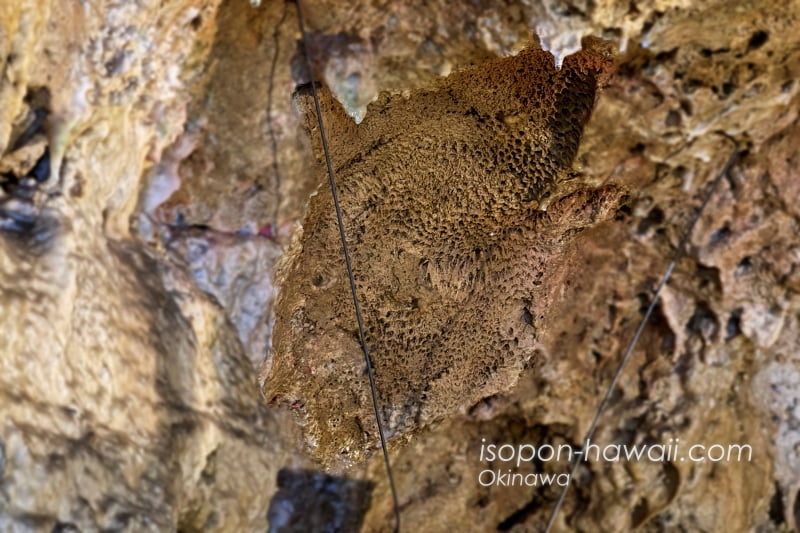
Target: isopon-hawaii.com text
{"points": [[505, 459]]}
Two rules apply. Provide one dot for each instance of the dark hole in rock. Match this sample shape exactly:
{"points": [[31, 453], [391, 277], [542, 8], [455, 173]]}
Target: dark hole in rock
{"points": [[680, 172], [527, 317], [667, 55], [41, 170], [720, 234], [315, 501], [654, 218], [744, 265], [668, 344], [637, 149], [33, 233], [673, 119], [796, 508], [644, 301], [777, 512], [639, 513], [727, 89], [703, 322], [692, 85], [757, 40], [734, 325]]}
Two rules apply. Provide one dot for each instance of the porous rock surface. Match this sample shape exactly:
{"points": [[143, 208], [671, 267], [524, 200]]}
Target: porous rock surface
{"points": [[153, 166], [445, 225]]}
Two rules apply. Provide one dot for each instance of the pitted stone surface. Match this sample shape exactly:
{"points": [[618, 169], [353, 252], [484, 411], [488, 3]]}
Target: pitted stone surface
{"points": [[443, 195]]}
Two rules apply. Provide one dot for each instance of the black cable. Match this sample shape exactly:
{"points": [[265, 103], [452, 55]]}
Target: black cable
{"points": [[356, 305], [629, 351]]}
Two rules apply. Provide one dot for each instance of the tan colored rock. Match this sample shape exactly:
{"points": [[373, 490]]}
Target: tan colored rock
{"points": [[449, 244], [127, 401], [696, 376]]}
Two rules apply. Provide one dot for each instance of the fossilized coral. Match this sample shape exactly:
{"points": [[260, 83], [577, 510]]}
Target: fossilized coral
{"points": [[443, 195]]}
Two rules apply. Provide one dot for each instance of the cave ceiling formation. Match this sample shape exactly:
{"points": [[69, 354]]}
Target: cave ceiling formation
{"points": [[450, 242]]}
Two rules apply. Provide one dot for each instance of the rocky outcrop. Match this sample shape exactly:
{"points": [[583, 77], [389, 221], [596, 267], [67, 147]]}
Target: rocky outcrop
{"points": [[127, 401], [446, 227]]}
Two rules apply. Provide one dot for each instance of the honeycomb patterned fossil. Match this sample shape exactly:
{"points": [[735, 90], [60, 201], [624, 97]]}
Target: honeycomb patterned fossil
{"points": [[456, 202]]}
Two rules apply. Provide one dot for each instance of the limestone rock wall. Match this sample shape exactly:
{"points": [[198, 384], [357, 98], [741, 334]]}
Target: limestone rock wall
{"points": [[127, 400]]}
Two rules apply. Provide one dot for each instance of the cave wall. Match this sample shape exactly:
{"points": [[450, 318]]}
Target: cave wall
{"points": [[127, 398], [154, 168]]}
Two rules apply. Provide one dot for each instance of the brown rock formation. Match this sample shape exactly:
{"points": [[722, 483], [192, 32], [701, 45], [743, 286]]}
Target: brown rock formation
{"points": [[127, 401], [449, 242]]}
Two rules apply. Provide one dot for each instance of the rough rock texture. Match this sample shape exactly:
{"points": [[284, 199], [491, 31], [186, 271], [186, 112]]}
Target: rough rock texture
{"points": [[152, 167], [444, 224], [247, 169], [127, 400], [715, 364]]}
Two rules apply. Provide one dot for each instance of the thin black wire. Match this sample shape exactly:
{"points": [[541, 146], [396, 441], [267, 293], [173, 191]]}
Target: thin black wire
{"points": [[346, 251], [629, 351]]}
